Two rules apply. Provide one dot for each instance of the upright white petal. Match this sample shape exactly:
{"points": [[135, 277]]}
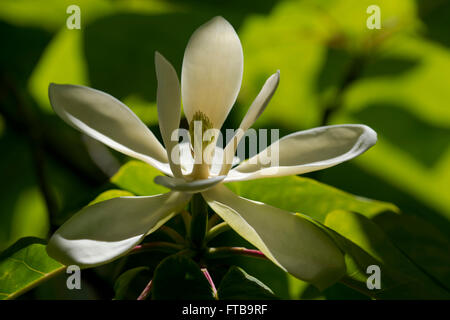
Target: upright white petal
{"points": [[169, 107], [106, 230], [109, 121], [256, 109], [307, 151], [289, 240], [212, 71]]}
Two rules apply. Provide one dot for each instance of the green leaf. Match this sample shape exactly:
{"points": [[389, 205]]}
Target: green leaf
{"points": [[110, 194], [365, 244], [124, 282], [420, 241], [239, 285], [178, 277], [137, 177], [25, 265], [307, 196]]}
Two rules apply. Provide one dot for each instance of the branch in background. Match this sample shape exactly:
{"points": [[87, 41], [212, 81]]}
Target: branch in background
{"points": [[145, 293], [34, 138], [353, 73]]}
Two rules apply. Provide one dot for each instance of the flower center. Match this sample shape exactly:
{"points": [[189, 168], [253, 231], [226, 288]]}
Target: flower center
{"points": [[200, 124], [202, 135]]}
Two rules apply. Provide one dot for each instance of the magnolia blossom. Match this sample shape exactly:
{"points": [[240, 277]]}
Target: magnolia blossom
{"points": [[210, 81]]}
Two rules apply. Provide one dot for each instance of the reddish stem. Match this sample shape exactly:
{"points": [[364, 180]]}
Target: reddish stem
{"points": [[221, 252], [211, 282], [156, 246], [144, 294]]}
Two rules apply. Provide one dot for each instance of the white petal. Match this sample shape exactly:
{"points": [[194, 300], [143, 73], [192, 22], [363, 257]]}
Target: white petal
{"points": [[178, 184], [261, 101], [169, 107], [212, 71], [256, 109], [289, 240], [106, 230], [109, 121], [218, 159], [307, 151]]}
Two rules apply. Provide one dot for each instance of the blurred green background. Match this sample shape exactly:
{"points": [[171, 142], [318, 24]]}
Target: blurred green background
{"points": [[333, 70]]}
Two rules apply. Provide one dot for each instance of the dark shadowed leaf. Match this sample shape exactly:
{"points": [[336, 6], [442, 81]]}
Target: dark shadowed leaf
{"points": [[365, 244], [179, 278], [239, 285], [123, 284]]}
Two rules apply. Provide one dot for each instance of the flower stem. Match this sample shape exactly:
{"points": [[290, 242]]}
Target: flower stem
{"points": [[216, 230], [199, 211], [186, 219], [211, 282], [144, 294], [213, 220], [157, 246], [225, 252], [175, 236]]}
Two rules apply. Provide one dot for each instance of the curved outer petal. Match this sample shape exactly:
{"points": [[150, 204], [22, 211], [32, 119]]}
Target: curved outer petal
{"points": [[109, 121], [289, 240], [256, 109], [169, 107], [307, 151], [106, 230], [212, 71], [178, 184]]}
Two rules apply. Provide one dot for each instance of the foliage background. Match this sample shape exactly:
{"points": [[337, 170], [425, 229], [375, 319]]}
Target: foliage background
{"points": [[333, 70]]}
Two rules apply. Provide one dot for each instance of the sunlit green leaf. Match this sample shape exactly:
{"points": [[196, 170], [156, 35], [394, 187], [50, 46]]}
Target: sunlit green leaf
{"points": [[307, 196], [137, 177], [24, 266], [110, 194]]}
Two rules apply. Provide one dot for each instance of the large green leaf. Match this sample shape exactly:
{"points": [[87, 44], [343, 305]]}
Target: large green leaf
{"points": [[365, 244], [239, 285], [25, 265], [307, 196], [420, 241], [137, 177], [177, 278], [317, 200]]}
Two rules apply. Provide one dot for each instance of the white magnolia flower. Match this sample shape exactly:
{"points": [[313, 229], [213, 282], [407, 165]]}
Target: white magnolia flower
{"points": [[210, 81]]}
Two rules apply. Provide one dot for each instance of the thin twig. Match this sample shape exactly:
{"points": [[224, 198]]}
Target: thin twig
{"points": [[175, 236], [213, 220], [157, 246], [224, 252], [144, 294]]}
